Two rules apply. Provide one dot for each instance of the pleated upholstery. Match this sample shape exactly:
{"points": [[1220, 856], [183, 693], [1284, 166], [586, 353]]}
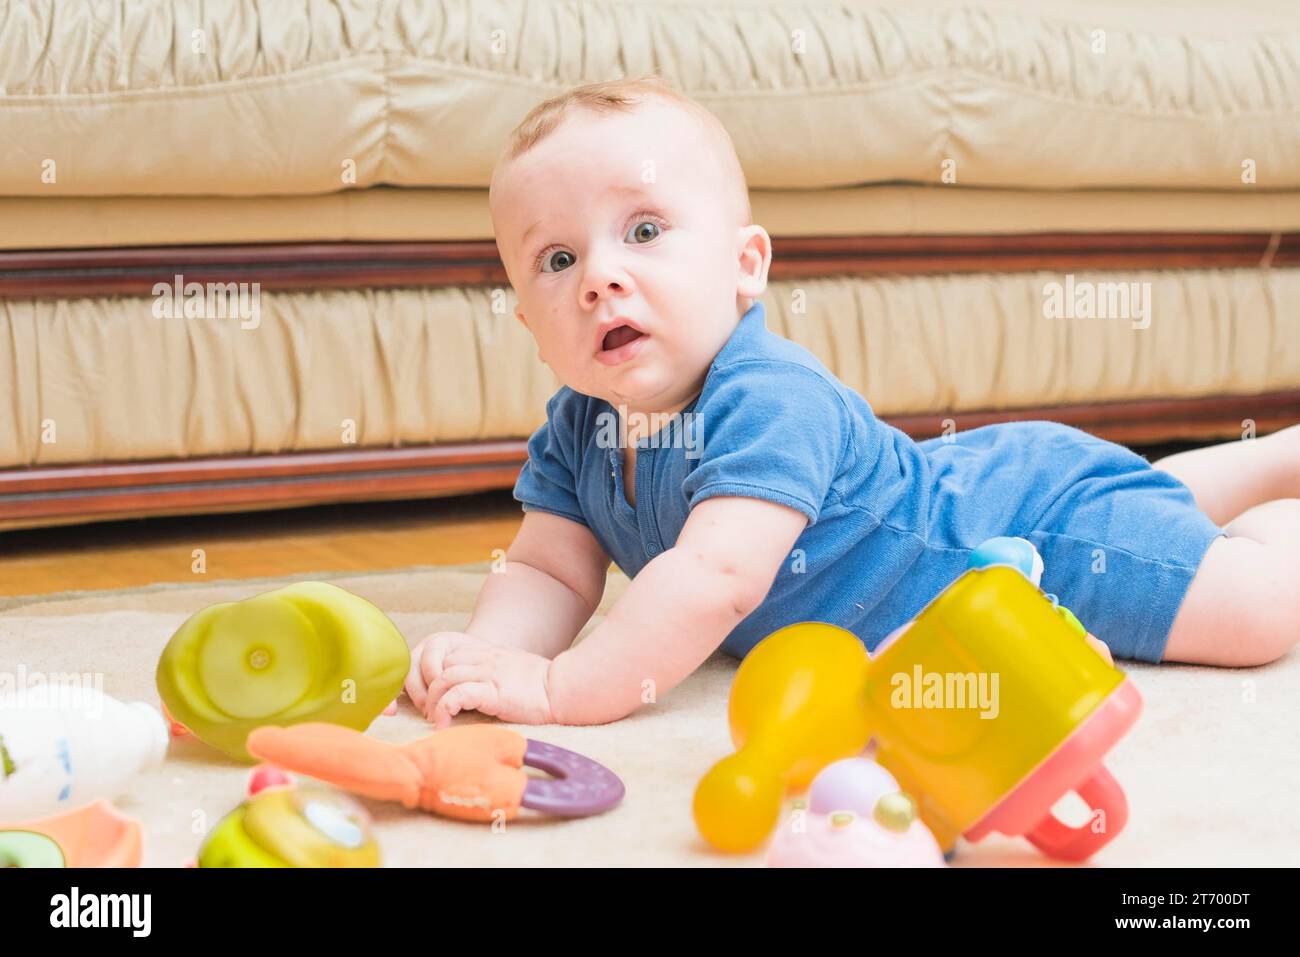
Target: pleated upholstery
{"points": [[439, 365]]}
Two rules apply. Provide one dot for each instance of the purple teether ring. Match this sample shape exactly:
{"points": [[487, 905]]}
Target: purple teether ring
{"points": [[580, 786]]}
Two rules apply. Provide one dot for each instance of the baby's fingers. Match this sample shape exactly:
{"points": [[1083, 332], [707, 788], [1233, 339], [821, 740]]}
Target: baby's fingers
{"points": [[427, 662], [453, 676], [414, 685], [471, 696]]}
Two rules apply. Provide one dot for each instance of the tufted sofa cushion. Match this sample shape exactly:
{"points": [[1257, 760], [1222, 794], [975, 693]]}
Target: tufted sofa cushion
{"points": [[306, 96]]}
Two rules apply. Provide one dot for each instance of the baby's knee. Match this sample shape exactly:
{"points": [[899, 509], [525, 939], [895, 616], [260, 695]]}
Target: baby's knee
{"points": [[1288, 440], [1264, 647], [1268, 631], [1241, 608], [1275, 524]]}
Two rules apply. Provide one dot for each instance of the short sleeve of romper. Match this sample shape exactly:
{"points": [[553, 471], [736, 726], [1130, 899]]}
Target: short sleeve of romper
{"points": [[772, 430], [548, 480]]}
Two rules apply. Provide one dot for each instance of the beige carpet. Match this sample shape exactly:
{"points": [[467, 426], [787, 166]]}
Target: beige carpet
{"points": [[1212, 769]]}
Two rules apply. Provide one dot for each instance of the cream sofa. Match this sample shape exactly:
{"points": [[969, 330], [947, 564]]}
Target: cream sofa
{"points": [[930, 173]]}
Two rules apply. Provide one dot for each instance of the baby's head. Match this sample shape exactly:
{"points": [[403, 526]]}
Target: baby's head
{"points": [[624, 202]]}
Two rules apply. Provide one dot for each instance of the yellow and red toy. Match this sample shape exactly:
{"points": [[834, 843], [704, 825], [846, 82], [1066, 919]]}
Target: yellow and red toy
{"points": [[809, 694]]}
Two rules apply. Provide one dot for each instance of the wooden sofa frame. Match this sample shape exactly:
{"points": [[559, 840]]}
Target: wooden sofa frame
{"points": [[49, 495]]}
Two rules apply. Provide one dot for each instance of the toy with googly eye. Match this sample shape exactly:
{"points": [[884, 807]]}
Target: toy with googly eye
{"points": [[855, 816], [282, 825]]}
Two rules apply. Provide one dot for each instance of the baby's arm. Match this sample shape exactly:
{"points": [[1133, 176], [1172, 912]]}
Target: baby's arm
{"points": [[552, 581], [677, 610]]}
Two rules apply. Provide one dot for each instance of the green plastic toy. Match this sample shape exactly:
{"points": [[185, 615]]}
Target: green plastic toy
{"points": [[287, 827], [29, 849], [306, 652]]}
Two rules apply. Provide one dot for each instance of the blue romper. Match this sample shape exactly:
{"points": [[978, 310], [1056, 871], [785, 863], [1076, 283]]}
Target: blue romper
{"points": [[891, 520]]}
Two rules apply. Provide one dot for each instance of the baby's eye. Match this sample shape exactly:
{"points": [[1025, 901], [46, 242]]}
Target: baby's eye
{"points": [[558, 260], [643, 232]]}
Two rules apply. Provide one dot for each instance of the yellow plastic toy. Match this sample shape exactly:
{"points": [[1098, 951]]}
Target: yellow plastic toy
{"points": [[306, 652], [292, 827], [988, 708], [796, 705]]}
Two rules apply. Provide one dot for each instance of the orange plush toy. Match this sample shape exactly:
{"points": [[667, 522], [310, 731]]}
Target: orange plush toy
{"points": [[470, 772]]}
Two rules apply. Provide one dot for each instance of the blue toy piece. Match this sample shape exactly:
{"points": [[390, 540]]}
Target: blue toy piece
{"points": [[1019, 553]]}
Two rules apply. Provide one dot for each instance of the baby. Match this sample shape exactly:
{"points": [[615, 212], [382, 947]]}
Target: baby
{"points": [[742, 487]]}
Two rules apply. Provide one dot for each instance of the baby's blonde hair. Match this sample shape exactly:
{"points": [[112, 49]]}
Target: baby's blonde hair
{"points": [[625, 96]]}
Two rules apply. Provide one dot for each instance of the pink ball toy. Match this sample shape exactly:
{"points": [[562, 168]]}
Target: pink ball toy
{"points": [[853, 784], [844, 839], [267, 776]]}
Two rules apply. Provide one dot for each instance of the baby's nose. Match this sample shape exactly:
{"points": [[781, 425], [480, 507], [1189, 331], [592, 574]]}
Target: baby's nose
{"points": [[611, 286]]}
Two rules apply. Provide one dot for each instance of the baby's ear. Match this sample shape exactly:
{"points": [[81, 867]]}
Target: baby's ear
{"points": [[755, 257]]}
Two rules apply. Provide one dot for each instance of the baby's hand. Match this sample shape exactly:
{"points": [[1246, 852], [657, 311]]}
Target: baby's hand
{"points": [[427, 662], [453, 672]]}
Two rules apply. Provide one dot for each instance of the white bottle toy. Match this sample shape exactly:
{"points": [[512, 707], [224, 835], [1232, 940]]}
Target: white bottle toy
{"points": [[63, 746]]}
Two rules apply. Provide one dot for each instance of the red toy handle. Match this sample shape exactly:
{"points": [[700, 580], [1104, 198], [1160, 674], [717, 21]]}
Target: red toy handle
{"points": [[1101, 792]]}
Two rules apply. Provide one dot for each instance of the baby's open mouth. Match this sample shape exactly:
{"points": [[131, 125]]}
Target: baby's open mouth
{"points": [[619, 336]]}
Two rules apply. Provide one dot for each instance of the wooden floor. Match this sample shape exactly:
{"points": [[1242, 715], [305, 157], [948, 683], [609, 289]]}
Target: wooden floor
{"points": [[361, 537], [351, 537]]}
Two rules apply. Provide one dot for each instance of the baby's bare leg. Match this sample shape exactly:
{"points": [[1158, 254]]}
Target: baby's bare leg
{"points": [[1228, 478], [1242, 607]]}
